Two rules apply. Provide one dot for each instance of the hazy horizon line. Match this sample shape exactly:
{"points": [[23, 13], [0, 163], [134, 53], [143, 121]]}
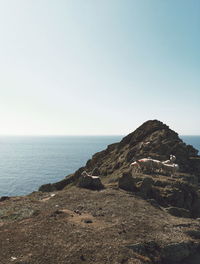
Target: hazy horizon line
{"points": [[78, 135]]}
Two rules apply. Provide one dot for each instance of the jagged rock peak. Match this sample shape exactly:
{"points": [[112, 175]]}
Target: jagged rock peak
{"points": [[145, 130], [152, 139]]}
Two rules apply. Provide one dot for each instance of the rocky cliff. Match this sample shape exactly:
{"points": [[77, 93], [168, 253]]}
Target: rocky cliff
{"points": [[152, 139], [179, 195], [134, 218]]}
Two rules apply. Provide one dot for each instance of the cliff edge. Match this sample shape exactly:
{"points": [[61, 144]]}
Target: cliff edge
{"points": [[152, 139], [137, 218]]}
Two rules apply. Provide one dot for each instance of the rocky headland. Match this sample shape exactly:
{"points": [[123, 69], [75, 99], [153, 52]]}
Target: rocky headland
{"points": [[119, 216]]}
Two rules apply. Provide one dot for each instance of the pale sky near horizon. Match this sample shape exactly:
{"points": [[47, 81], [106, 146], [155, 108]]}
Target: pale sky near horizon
{"points": [[98, 67]]}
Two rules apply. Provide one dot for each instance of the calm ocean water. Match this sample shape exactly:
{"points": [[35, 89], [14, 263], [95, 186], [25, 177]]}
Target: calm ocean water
{"points": [[28, 162]]}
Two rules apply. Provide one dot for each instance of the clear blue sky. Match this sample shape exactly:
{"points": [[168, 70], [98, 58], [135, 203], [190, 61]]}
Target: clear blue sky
{"points": [[98, 66]]}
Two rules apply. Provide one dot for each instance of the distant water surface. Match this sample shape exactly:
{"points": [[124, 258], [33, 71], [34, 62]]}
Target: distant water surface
{"points": [[28, 162]]}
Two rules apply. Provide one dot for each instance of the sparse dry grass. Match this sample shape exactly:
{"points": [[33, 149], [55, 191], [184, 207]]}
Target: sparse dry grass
{"points": [[79, 225]]}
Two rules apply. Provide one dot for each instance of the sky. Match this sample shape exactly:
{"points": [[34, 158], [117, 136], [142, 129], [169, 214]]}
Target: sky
{"points": [[98, 67]]}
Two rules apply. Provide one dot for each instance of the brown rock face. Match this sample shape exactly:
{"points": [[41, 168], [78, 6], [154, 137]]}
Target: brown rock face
{"points": [[90, 182], [127, 182], [152, 139]]}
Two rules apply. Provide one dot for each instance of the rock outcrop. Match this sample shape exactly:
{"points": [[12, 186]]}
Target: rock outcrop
{"points": [[138, 218], [127, 182], [152, 139], [90, 182]]}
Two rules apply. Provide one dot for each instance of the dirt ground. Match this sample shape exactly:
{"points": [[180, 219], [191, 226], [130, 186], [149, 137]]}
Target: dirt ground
{"points": [[83, 226]]}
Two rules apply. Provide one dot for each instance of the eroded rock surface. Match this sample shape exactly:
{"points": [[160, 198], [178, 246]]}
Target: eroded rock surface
{"points": [[137, 219], [152, 139], [90, 182]]}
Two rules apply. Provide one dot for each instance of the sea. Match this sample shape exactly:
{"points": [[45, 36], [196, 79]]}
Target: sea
{"points": [[27, 162]]}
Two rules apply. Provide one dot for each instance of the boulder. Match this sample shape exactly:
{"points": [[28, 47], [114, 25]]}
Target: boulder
{"points": [[3, 198], [145, 187], [90, 182], [127, 182]]}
